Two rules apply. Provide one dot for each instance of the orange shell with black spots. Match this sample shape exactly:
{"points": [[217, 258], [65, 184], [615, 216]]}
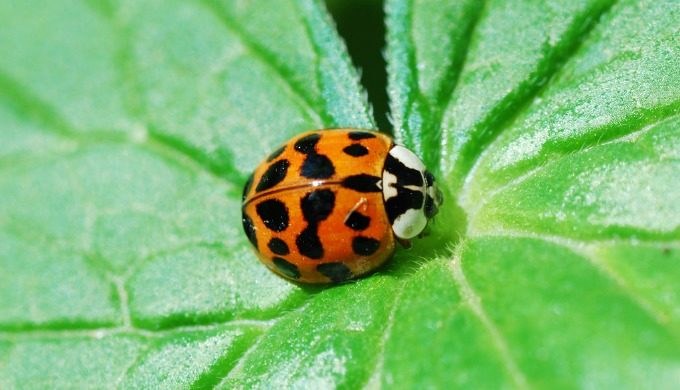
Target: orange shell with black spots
{"points": [[314, 209]]}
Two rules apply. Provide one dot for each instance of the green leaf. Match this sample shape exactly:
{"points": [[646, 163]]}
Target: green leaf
{"points": [[127, 129], [555, 129]]}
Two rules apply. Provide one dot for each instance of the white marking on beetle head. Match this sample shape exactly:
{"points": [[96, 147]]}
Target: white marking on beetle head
{"points": [[412, 222], [415, 188], [389, 181], [407, 158]]}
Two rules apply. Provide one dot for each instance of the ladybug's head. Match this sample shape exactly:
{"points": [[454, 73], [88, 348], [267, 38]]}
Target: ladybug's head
{"points": [[410, 192]]}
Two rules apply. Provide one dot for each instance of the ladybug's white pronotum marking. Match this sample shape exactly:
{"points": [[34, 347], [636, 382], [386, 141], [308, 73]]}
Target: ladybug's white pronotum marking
{"points": [[407, 158], [389, 183], [405, 190]]}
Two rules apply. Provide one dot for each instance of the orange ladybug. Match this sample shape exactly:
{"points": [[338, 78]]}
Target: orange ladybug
{"points": [[328, 205]]}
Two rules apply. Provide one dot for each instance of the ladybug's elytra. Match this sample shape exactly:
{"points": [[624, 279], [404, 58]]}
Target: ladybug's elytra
{"points": [[329, 205]]}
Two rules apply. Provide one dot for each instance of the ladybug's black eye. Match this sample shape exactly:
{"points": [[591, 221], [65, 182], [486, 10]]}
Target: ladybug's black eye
{"points": [[429, 178], [430, 207]]}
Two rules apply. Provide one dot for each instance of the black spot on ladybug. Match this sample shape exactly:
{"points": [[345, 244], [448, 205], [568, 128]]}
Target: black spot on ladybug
{"points": [[405, 199], [317, 166], [336, 272], [362, 183], [246, 187], [278, 246], [316, 206], [276, 153], [357, 221], [357, 135], [274, 214], [273, 175], [307, 144], [249, 228], [356, 150], [365, 246], [309, 243], [286, 268], [405, 175]]}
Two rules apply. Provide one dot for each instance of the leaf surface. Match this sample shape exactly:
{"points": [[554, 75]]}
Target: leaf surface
{"points": [[128, 129], [558, 139]]}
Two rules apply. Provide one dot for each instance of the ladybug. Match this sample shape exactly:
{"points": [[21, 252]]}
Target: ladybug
{"points": [[329, 205]]}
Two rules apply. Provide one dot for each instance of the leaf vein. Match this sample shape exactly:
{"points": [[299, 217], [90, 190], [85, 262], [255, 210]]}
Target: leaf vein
{"points": [[374, 381], [474, 302], [588, 251], [100, 332], [624, 133], [252, 349], [448, 85], [517, 101], [266, 58]]}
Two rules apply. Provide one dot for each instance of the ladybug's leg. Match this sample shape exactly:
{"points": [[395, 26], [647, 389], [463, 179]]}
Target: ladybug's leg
{"points": [[361, 202], [426, 232], [404, 242]]}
